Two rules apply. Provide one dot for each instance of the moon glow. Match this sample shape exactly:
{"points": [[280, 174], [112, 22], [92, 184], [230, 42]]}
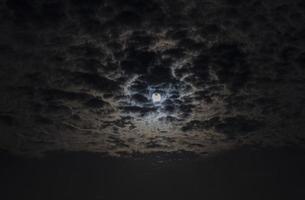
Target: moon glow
{"points": [[156, 97]]}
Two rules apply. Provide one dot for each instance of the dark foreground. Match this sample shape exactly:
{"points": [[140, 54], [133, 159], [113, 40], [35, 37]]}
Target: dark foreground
{"points": [[243, 174]]}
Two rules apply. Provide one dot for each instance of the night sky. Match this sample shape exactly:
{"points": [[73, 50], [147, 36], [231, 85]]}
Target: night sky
{"points": [[80, 76]]}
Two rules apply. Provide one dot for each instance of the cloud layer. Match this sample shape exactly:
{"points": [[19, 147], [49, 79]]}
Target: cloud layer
{"points": [[79, 75]]}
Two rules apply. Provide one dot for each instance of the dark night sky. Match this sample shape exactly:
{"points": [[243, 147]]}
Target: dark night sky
{"points": [[77, 118], [78, 75]]}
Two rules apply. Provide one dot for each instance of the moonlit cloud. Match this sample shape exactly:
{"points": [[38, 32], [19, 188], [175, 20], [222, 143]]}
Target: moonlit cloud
{"points": [[81, 75]]}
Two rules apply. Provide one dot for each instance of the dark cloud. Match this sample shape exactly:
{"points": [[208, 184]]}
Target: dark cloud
{"points": [[234, 126], [140, 98], [56, 94], [83, 74], [92, 80], [231, 126], [8, 120], [96, 103], [201, 125], [138, 109]]}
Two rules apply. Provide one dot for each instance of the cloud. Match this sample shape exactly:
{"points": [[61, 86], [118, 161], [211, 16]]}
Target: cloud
{"points": [[83, 73]]}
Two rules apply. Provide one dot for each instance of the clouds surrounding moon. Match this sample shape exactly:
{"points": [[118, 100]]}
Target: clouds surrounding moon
{"points": [[79, 75]]}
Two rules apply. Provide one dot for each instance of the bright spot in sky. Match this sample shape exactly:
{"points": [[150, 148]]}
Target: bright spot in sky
{"points": [[156, 97]]}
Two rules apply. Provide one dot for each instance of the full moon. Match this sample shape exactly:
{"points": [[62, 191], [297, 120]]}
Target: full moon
{"points": [[156, 97]]}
